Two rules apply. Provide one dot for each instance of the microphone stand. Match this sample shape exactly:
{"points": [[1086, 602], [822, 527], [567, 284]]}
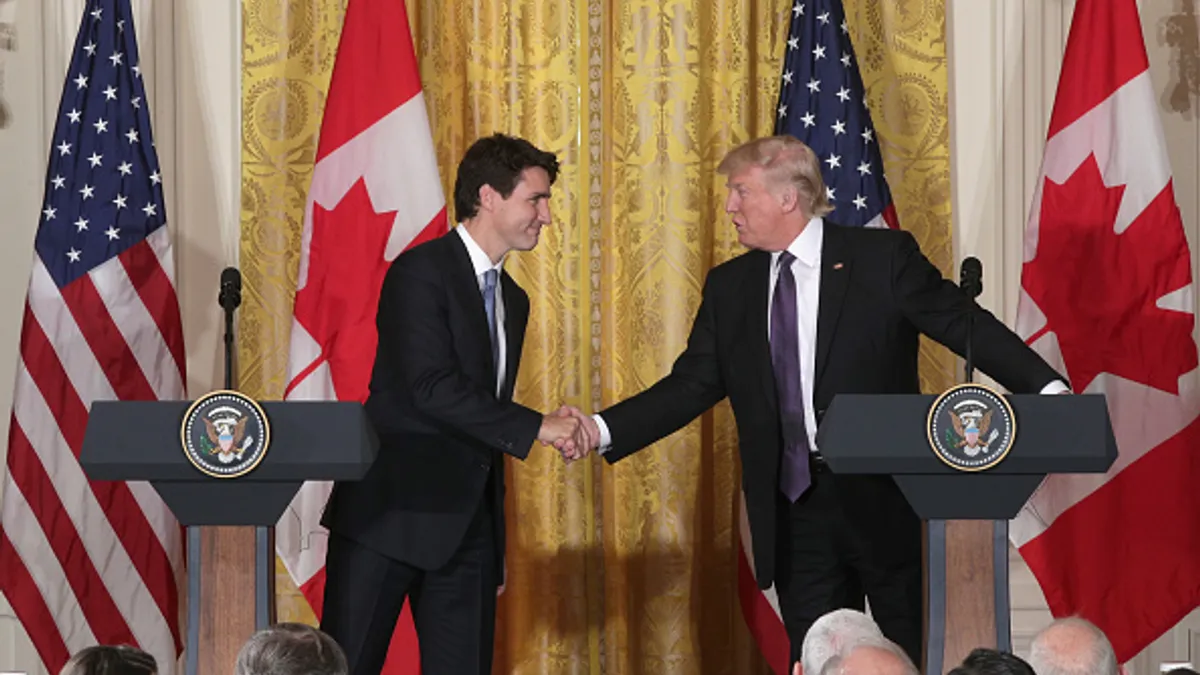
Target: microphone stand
{"points": [[228, 307], [971, 282], [968, 356]]}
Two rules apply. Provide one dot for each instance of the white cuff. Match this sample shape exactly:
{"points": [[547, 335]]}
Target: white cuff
{"points": [[605, 436], [1055, 387]]}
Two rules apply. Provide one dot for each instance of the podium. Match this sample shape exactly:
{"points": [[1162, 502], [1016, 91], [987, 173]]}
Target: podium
{"points": [[967, 511], [309, 440]]}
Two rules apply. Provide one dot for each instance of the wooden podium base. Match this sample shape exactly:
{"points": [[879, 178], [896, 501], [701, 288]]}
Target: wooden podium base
{"points": [[231, 593], [967, 597]]}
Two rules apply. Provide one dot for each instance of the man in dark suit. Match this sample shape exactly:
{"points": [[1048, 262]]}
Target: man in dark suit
{"points": [[815, 310], [427, 521]]}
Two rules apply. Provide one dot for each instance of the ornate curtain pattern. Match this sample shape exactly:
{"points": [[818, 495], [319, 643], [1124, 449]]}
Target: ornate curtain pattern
{"points": [[632, 568]]}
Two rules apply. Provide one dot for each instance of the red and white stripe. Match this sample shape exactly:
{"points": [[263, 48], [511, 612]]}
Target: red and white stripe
{"points": [[760, 608], [85, 562], [1121, 548], [375, 130]]}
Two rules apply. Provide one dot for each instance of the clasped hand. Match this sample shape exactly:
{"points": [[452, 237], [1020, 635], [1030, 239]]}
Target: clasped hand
{"points": [[571, 432]]}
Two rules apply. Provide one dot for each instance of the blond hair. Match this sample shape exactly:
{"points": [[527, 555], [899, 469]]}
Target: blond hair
{"points": [[785, 161]]}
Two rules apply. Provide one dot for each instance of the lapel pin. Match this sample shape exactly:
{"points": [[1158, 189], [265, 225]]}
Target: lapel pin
{"points": [[837, 266]]}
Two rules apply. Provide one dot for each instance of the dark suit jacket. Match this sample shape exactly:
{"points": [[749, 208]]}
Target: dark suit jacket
{"points": [[871, 310], [432, 401]]}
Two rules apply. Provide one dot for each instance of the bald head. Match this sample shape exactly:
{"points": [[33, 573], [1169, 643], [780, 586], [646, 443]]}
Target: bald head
{"points": [[871, 659], [1072, 647]]}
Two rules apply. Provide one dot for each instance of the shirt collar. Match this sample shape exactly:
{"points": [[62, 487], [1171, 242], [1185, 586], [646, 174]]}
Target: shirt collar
{"points": [[479, 260], [807, 245]]}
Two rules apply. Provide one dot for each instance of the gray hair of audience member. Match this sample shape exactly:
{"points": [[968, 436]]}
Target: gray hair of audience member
{"points": [[834, 632], [111, 660], [1072, 646], [291, 649], [901, 665]]}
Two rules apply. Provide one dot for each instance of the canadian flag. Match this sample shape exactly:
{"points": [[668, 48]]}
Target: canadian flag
{"points": [[1107, 298], [375, 191]]}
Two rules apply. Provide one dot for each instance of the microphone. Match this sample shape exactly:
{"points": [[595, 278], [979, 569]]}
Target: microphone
{"points": [[230, 296], [970, 278]]}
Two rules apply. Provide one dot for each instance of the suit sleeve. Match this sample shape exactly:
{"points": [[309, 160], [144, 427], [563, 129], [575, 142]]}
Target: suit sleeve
{"points": [[413, 317], [939, 308], [693, 386]]}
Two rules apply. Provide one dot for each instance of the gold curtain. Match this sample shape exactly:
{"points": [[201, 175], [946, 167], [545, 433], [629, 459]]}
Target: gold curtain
{"points": [[628, 569]]}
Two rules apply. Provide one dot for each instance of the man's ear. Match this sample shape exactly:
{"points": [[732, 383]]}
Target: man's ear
{"points": [[789, 198], [487, 197]]}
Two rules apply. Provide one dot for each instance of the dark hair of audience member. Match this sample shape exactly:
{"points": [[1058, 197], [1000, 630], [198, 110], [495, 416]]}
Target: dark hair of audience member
{"points": [[111, 660]]}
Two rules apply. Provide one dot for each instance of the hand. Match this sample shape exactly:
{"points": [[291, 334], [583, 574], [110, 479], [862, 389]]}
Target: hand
{"points": [[585, 439], [561, 430], [589, 432], [796, 670]]}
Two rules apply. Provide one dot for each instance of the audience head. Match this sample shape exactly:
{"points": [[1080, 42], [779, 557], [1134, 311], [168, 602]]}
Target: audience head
{"points": [[291, 649], [872, 658], [833, 633], [1072, 646], [985, 661], [1182, 670], [106, 660]]}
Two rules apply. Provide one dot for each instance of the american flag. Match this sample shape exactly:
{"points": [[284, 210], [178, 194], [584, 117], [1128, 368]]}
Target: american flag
{"points": [[823, 103], [85, 562]]}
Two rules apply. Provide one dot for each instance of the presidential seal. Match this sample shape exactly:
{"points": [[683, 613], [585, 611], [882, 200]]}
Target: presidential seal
{"points": [[971, 427], [225, 434]]}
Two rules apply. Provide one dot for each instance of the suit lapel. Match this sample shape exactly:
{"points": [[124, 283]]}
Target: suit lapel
{"points": [[465, 287], [835, 277], [516, 314], [757, 282]]}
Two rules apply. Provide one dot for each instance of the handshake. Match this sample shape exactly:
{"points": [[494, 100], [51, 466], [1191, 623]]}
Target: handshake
{"points": [[571, 432]]}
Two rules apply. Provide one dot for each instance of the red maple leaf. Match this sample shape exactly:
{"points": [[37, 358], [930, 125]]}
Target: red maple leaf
{"points": [[1099, 289], [345, 272]]}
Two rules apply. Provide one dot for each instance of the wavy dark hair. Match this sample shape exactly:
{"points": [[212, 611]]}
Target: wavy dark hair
{"points": [[498, 161]]}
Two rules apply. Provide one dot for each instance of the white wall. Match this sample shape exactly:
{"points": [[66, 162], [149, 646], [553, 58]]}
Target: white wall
{"points": [[191, 62], [1005, 57]]}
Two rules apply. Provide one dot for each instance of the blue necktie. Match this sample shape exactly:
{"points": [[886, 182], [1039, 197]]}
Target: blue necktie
{"points": [[794, 475], [489, 305]]}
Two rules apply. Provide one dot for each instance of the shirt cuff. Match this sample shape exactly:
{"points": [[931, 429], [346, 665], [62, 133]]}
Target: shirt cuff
{"points": [[605, 436], [1055, 387]]}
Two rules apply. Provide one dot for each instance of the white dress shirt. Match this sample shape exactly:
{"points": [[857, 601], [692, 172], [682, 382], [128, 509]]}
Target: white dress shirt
{"points": [[806, 269], [482, 263]]}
